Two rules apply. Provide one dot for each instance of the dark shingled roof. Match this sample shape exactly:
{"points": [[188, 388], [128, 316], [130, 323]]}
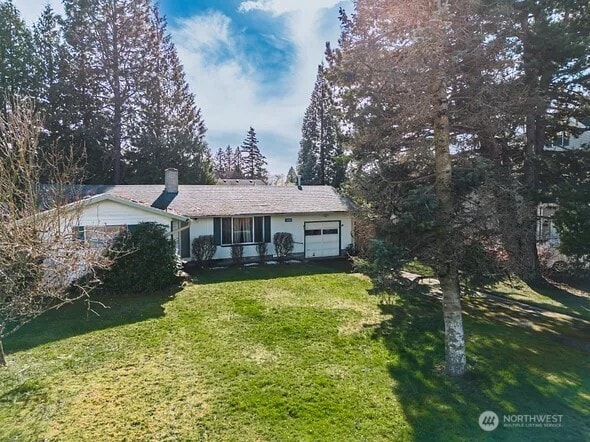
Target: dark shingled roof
{"points": [[202, 201]]}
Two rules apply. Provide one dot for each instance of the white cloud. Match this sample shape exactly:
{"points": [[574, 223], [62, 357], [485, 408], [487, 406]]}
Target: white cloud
{"points": [[31, 9], [204, 30], [231, 90], [279, 7]]}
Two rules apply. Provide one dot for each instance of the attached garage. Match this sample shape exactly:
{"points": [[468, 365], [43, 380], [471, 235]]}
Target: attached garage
{"points": [[322, 239]]}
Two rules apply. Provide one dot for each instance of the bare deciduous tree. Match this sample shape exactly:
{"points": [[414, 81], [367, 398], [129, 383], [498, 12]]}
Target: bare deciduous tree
{"points": [[42, 264]]}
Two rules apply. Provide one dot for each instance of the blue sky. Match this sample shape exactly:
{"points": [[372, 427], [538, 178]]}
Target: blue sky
{"points": [[249, 63]]}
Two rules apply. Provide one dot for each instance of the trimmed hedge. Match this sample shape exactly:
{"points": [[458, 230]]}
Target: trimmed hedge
{"points": [[283, 242], [204, 248], [145, 261], [237, 254]]}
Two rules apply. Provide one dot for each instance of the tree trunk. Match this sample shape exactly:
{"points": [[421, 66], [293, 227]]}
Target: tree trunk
{"points": [[2, 355], [322, 147], [448, 273], [117, 102], [117, 144], [455, 358], [529, 269]]}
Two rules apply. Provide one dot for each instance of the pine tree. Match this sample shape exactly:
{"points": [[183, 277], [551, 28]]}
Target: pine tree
{"points": [[320, 157], [237, 164], [291, 176], [48, 47], [17, 60], [219, 163], [47, 39], [223, 162], [552, 44], [430, 91], [167, 129], [108, 45], [228, 159], [254, 162]]}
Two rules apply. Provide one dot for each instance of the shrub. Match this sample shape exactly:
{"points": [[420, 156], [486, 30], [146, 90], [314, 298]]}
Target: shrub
{"points": [[283, 242], [146, 261], [262, 250], [203, 249], [237, 254], [351, 250]]}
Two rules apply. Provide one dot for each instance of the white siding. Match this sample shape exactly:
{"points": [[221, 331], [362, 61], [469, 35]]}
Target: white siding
{"points": [[111, 213], [204, 226]]}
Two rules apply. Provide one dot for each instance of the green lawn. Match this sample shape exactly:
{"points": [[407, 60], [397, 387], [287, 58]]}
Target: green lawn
{"points": [[567, 296], [301, 352]]}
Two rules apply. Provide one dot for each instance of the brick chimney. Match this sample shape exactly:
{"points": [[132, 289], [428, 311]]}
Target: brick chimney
{"points": [[171, 180]]}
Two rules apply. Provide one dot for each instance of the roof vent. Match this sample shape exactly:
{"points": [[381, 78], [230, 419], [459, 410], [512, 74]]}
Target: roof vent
{"points": [[299, 182], [171, 180]]}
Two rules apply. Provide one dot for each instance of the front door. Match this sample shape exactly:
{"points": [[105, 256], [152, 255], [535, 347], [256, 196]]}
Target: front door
{"points": [[185, 241]]}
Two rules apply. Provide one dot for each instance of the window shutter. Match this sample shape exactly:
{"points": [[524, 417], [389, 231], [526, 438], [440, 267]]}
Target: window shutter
{"points": [[258, 229], [80, 235], [267, 229], [217, 231]]}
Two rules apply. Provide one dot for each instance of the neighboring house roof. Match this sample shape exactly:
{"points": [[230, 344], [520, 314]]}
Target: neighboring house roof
{"points": [[239, 182], [211, 200]]}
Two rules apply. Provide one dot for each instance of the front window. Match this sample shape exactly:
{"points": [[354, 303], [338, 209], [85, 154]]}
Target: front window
{"points": [[242, 230], [99, 236]]}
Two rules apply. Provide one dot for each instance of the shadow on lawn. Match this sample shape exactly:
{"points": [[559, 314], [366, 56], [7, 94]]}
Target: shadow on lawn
{"points": [[508, 373], [271, 271], [573, 294], [76, 319]]}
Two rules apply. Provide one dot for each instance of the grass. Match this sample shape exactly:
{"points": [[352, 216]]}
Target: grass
{"points": [[568, 296], [300, 352]]}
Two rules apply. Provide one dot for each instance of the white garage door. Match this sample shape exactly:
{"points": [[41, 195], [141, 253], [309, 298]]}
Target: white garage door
{"points": [[322, 239]]}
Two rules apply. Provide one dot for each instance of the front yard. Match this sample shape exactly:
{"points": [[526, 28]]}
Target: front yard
{"points": [[301, 352]]}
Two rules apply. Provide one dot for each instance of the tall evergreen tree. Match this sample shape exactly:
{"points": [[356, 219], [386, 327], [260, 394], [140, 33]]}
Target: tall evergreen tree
{"points": [[553, 41], [291, 176], [17, 60], [167, 129], [223, 162], [404, 115], [320, 156], [219, 163], [254, 163], [48, 47], [109, 40], [47, 39], [229, 161], [237, 164]]}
